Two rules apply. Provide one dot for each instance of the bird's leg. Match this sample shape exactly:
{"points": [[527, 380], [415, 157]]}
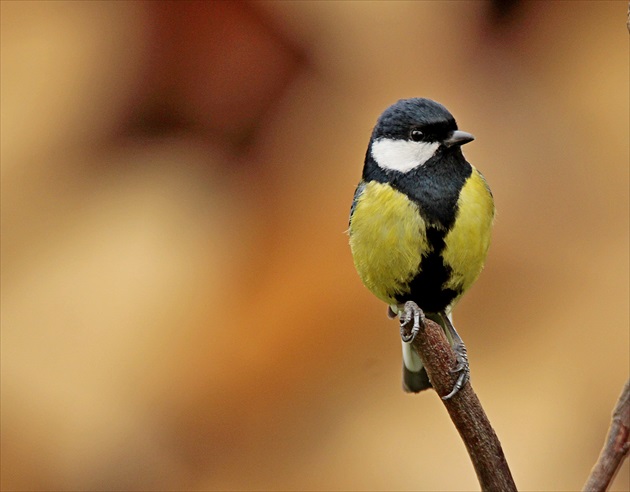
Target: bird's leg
{"points": [[461, 356], [411, 311]]}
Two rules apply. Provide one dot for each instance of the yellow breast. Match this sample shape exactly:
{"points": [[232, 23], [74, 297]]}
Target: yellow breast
{"points": [[387, 239], [468, 241]]}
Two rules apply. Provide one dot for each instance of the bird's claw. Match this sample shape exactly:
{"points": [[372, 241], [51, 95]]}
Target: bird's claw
{"points": [[462, 368], [410, 312]]}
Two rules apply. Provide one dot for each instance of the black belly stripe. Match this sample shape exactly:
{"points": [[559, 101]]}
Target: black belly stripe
{"points": [[426, 288]]}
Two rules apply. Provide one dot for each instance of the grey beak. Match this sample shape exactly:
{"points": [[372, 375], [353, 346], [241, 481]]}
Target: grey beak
{"points": [[458, 138]]}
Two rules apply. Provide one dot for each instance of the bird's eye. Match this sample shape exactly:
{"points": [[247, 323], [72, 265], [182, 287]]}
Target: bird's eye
{"points": [[416, 135]]}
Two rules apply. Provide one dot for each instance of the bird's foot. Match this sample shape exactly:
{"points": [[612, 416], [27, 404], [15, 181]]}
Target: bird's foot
{"points": [[411, 312], [462, 368]]}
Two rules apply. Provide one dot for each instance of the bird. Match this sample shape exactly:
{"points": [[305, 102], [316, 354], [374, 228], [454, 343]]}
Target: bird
{"points": [[420, 225]]}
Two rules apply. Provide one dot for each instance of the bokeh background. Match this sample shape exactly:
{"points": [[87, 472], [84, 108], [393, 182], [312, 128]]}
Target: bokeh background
{"points": [[180, 309]]}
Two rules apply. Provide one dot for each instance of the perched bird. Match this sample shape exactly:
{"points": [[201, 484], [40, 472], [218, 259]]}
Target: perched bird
{"points": [[420, 224]]}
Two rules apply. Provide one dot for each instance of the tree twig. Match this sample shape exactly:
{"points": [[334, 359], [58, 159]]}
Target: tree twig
{"points": [[465, 410], [615, 448]]}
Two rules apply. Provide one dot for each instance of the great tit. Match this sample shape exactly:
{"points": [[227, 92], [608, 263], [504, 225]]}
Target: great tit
{"points": [[420, 223]]}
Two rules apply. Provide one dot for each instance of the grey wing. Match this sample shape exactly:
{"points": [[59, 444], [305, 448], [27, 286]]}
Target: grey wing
{"points": [[357, 194]]}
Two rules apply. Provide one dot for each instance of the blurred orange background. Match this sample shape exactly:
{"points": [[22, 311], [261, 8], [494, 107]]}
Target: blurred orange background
{"points": [[180, 310]]}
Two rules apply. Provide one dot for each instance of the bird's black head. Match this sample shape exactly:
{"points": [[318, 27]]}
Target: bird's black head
{"points": [[411, 132], [398, 121]]}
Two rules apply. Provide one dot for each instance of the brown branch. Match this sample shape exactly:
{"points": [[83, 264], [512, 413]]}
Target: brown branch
{"points": [[615, 448], [465, 410]]}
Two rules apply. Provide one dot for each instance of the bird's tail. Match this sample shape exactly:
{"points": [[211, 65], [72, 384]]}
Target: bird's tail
{"points": [[415, 382]]}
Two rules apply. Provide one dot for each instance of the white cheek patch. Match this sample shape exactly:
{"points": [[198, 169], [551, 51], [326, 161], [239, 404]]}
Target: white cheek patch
{"points": [[402, 155]]}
